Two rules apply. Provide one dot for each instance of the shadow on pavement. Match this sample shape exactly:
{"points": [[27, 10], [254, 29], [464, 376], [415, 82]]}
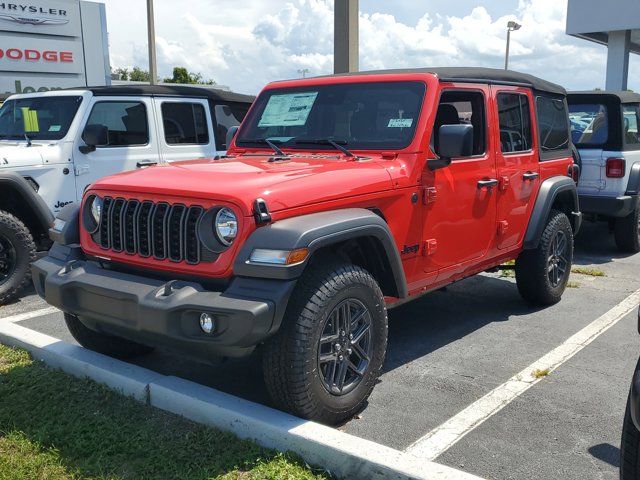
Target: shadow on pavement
{"points": [[607, 453]]}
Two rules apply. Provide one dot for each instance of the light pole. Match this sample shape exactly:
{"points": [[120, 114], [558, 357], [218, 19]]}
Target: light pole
{"points": [[511, 27], [303, 72], [151, 33]]}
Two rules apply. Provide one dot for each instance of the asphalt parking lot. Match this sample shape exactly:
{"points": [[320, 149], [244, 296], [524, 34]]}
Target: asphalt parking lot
{"points": [[449, 349]]}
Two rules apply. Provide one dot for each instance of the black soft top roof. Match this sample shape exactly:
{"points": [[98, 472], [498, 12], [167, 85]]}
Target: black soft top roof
{"points": [[170, 91], [621, 96], [476, 75]]}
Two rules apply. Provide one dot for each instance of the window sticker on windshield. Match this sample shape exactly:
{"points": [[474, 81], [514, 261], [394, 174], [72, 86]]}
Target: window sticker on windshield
{"points": [[30, 119], [288, 110], [55, 128], [400, 122]]}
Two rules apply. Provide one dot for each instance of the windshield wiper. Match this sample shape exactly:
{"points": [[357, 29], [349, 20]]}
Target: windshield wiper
{"points": [[270, 143], [28, 139], [327, 141]]}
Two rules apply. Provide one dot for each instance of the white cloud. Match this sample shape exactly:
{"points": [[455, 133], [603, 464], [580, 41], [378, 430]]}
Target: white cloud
{"points": [[247, 44]]}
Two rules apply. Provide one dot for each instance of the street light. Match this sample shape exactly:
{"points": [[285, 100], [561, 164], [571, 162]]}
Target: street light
{"points": [[511, 27], [151, 35]]}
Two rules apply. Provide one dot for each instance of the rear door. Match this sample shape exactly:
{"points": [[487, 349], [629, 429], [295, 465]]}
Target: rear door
{"points": [[185, 129], [132, 140], [517, 162]]}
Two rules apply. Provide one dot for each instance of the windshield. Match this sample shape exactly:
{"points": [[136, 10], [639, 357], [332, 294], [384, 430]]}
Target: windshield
{"points": [[377, 116], [39, 118], [589, 124]]}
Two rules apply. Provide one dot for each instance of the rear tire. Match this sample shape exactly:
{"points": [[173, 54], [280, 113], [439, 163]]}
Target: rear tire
{"points": [[101, 343], [629, 448], [627, 232], [336, 318], [542, 273], [17, 252]]}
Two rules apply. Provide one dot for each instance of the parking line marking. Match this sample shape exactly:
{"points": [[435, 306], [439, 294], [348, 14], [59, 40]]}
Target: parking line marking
{"points": [[27, 315], [440, 439]]}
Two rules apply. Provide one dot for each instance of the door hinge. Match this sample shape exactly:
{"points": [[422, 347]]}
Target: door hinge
{"points": [[503, 226], [429, 247], [81, 170], [504, 183], [429, 195]]}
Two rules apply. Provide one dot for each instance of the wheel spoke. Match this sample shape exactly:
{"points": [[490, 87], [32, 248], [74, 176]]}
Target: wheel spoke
{"points": [[358, 371], [327, 357], [332, 339], [330, 373], [360, 352], [342, 373], [362, 331]]}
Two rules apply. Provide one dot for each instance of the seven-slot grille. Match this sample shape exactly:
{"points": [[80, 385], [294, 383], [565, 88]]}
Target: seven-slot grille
{"points": [[148, 229]]}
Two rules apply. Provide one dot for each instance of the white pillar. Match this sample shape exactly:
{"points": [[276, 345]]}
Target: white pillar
{"points": [[618, 59], [345, 36]]}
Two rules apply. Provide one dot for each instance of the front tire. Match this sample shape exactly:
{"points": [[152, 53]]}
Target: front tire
{"points": [[627, 232], [101, 343], [324, 362], [542, 273], [17, 252], [629, 448]]}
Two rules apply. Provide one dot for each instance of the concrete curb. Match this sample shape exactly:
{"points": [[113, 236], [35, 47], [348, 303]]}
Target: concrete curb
{"points": [[342, 454]]}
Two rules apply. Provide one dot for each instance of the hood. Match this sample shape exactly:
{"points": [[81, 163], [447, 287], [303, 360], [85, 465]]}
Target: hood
{"points": [[302, 179], [17, 154]]}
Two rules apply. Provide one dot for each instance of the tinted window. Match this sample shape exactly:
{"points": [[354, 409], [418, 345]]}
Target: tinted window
{"points": [[184, 123], [381, 115], [460, 107], [41, 118], [515, 122], [630, 113], [227, 116], [553, 124], [589, 124], [126, 121]]}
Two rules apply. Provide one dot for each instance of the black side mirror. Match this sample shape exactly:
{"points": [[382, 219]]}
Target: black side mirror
{"points": [[94, 135], [230, 134], [454, 141]]}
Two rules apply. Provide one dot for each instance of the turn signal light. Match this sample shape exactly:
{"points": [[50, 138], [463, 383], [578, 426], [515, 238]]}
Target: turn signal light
{"points": [[616, 167], [279, 257]]}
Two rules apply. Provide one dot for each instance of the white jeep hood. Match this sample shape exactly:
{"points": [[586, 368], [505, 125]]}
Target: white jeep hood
{"points": [[18, 154]]}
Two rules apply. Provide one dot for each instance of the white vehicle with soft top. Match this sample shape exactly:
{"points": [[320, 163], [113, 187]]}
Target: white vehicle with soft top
{"points": [[53, 145], [604, 126]]}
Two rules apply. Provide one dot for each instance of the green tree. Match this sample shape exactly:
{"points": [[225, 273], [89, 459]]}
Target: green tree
{"points": [[182, 75], [122, 73], [139, 75]]}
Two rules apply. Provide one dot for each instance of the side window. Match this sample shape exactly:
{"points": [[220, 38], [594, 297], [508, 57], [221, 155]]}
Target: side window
{"points": [[553, 126], [630, 113], [589, 124], [184, 123], [462, 107], [227, 116], [515, 122], [126, 121]]}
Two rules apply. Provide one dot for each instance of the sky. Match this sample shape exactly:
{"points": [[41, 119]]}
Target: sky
{"points": [[244, 44]]}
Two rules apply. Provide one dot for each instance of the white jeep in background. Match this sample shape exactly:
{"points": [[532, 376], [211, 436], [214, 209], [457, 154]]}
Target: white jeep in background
{"points": [[604, 127], [55, 144]]}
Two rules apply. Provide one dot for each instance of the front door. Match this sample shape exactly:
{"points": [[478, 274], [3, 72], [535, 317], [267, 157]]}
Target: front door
{"points": [[132, 139], [518, 166], [460, 210]]}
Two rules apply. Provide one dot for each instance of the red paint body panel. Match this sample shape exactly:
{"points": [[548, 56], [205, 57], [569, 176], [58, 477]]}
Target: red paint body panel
{"points": [[460, 229]]}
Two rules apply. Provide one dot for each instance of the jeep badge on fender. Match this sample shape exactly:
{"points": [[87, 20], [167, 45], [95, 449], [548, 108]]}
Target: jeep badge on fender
{"points": [[302, 237]]}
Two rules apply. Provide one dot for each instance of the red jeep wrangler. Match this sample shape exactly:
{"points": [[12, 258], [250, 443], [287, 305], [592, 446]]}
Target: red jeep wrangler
{"points": [[342, 196]]}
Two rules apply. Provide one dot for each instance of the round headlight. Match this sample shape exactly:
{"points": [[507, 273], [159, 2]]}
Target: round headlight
{"points": [[96, 209], [226, 225]]}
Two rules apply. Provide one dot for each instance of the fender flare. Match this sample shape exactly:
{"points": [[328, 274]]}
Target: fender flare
{"points": [[27, 196], [549, 191], [315, 231], [633, 186]]}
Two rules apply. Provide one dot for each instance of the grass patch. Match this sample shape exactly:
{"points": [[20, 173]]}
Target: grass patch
{"points": [[592, 272], [57, 427], [572, 284], [508, 269], [539, 373]]}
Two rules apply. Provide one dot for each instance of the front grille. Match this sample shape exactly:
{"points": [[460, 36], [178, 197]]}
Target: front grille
{"points": [[148, 229]]}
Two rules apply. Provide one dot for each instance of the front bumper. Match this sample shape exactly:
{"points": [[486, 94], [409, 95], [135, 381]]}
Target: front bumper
{"points": [[147, 311], [608, 206]]}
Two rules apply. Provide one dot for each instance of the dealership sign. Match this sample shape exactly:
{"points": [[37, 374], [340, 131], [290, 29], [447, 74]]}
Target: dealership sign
{"points": [[52, 43]]}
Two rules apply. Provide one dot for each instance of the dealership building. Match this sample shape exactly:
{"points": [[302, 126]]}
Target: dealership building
{"points": [[48, 44]]}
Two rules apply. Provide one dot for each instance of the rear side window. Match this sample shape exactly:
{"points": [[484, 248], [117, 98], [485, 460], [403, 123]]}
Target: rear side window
{"points": [[553, 127], [515, 122], [227, 116], [126, 121], [630, 113], [589, 124], [184, 124]]}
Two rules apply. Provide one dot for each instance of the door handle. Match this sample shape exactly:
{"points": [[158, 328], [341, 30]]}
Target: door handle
{"points": [[146, 163], [488, 183], [530, 176]]}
